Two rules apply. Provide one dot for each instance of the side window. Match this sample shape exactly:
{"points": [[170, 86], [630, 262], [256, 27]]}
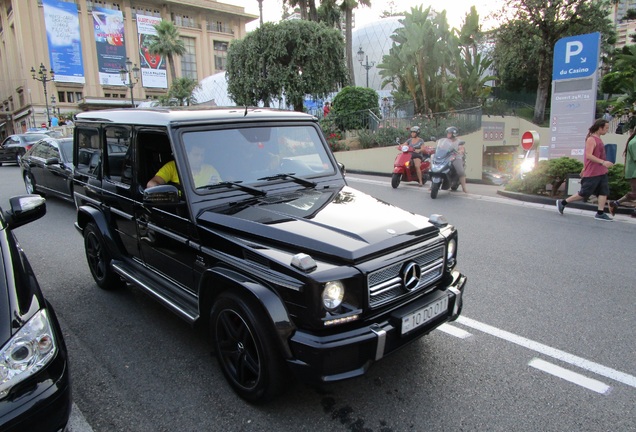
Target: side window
{"points": [[116, 149], [88, 154], [39, 150], [153, 152]]}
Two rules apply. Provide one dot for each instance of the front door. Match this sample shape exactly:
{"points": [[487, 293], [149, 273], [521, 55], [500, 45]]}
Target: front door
{"points": [[164, 232]]}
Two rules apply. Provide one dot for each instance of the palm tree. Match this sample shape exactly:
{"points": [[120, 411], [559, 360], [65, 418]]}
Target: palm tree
{"points": [[347, 6], [167, 43], [182, 90]]}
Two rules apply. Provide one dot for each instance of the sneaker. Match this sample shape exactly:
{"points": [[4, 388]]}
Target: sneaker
{"points": [[603, 217], [560, 206], [613, 205]]}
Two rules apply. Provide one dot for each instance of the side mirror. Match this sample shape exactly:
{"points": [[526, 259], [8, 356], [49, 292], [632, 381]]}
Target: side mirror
{"points": [[25, 209], [162, 195]]}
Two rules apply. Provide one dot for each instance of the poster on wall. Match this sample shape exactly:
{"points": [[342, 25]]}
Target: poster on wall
{"points": [[153, 66], [63, 36], [108, 26]]}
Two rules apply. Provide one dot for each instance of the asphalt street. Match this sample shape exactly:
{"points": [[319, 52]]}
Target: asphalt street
{"points": [[544, 341]]}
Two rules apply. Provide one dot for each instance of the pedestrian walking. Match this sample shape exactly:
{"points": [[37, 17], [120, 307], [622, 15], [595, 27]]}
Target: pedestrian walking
{"points": [[326, 109], [594, 179], [630, 174]]}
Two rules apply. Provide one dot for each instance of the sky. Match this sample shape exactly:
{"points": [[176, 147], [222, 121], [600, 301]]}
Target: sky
{"points": [[272, 9]]}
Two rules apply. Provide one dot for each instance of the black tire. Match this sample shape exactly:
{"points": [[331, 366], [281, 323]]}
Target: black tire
{"points": [[395, 180], [245, 348], [434, 189], [99, 259], [29, 184]]}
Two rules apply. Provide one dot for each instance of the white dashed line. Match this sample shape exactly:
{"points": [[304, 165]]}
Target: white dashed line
{"points": [[454, 331], [548, 351], [568, 375]]}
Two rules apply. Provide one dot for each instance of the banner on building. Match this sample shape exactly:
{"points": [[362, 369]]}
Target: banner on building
{"points": [[153, 66], [63, 36], [108, 25]]}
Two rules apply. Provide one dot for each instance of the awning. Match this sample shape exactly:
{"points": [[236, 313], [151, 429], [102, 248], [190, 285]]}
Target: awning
{"points": [[22, 114]]}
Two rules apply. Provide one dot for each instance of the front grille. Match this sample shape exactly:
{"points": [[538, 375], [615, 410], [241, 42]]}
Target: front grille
{"points": [[386, 284]]}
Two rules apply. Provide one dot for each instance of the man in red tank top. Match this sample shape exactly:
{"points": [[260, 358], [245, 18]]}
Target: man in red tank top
{"points": [[594, 179]]}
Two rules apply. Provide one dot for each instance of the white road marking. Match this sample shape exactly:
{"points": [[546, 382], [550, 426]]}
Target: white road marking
{"points": [[546, 350], [77, 422], [454, 331], [568, 375]]}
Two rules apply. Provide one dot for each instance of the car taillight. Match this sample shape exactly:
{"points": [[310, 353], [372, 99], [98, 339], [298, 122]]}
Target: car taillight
{"points": [[28, 147]]}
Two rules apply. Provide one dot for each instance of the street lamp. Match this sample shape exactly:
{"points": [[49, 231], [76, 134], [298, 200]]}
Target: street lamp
{"points": [[126, 74], [44, 78], [53, 106], [361, 55]]}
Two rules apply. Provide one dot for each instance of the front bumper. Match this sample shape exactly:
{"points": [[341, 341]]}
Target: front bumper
{"points": [[349, 354]]}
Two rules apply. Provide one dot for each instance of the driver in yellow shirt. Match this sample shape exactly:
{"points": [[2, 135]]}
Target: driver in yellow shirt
{"points": [[202, 173]]}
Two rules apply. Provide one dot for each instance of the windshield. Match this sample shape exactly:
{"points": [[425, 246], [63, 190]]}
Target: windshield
{"points": [[255, 155], [444, 147]]}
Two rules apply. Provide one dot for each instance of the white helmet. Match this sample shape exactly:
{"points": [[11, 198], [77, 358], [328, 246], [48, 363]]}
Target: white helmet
{"points": [[452, 130], [416, 129]]}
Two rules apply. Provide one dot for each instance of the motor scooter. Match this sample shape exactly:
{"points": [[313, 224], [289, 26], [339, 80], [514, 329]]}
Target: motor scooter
{"points": [[404, 168], [442, 172]]}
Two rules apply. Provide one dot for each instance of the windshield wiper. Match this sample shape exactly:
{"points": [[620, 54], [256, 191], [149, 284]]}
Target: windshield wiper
{"points": [[298, 180], [246, 188]]}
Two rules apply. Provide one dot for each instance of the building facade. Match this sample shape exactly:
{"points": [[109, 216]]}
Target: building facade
{"points": [[87, 44]]}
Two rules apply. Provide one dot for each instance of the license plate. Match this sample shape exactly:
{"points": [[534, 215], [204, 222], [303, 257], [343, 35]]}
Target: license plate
{"points": [[424, 315]]}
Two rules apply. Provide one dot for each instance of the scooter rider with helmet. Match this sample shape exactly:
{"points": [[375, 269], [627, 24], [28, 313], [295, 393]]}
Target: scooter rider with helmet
{"points": [[416, 142], [458, 163]]}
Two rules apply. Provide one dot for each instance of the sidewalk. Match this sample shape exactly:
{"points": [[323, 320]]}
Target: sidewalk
{"points": [[498, 191]]}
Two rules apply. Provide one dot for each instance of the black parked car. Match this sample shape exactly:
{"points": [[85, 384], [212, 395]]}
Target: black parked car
{"points": [[47, 168], [14, 146], [493, 176], [35, 390], [249, 230]]}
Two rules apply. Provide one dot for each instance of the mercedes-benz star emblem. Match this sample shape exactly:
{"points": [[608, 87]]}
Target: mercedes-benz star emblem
{"points": [[411, 275]]}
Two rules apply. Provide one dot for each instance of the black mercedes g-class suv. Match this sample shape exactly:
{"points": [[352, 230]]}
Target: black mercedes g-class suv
{"points": [[249, 229]]}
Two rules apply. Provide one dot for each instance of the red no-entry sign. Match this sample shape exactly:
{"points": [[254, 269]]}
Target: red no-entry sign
{"points": [[529, 139]]}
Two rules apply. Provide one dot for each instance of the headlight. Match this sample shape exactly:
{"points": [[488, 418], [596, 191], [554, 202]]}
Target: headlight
{"points": [[451, 250], [27, 352], [332, 295]]}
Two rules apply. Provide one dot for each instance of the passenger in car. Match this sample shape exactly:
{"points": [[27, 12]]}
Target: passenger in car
{"points": [[202, 173]]}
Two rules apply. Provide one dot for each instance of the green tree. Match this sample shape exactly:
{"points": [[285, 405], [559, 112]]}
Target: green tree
{"points": [[349, 106], [182, 90], [535, 28], [290, 59], [167, 43], [622, 78], [433, 66], [329, 13]]}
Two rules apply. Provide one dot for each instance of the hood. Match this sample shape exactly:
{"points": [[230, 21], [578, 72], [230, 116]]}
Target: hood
{"points": [[344, 224]]}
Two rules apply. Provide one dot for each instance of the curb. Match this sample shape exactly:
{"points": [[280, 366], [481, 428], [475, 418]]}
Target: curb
{"points": [[538, 199]]}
